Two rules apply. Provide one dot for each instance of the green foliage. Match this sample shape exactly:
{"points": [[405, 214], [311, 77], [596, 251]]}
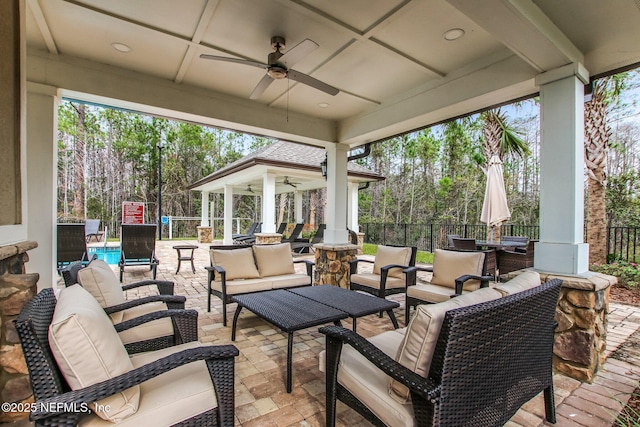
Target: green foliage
{"points": [[628, 273]]}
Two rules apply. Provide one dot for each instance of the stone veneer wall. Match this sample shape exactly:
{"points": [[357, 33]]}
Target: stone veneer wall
{"points": [[581, 335], [268, 238], [16, 288], [332, 264]]}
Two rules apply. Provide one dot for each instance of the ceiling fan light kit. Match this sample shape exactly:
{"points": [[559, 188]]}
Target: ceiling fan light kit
{"points": [[279, 65]]}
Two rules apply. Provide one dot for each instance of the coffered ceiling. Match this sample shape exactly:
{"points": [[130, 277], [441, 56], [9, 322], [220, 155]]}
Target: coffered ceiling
{"points": [[390, 60]]}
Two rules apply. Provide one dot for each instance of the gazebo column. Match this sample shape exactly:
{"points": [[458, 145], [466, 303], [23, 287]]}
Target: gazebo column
{"points": [[352, 217], [333, 256], [205, 231], [268, 234], [297, 206], [228, 215]]}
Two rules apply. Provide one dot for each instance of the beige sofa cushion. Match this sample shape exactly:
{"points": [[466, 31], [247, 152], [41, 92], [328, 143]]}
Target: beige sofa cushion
{"points": [[243, 286], [147, 331], [387, 255], [274, 260], [88, 349], [431, 293], [373, 281], [101, 282], [449, 265], [523, 281], [290, 280], [237, 263], [171, 397], [416, 351]]}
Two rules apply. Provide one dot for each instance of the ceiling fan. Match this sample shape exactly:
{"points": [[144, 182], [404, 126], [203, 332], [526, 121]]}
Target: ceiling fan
{"points": [[286, 181], [279, 65]]}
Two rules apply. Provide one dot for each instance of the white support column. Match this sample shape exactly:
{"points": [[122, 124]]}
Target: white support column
{"points": [[269, 203], [42, 153], [561, 248], [352, 221], [204, 217], [228, 215], [336, 231], [297, 206]]}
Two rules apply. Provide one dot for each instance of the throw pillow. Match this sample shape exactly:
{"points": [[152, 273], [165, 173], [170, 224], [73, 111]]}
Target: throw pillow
{"points": [[237, 263], [387, 255]]}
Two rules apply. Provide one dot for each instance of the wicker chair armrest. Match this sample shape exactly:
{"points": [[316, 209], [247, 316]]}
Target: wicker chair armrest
{"points": [[390, 266], [155, 315], [484, 281], [337, 336], [213, 269], [164, 286], [172, 301], [308, 264], [56, 405], [410, 274]]}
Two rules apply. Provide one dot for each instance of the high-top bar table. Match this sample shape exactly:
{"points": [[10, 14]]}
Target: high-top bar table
{"points": [[300, 308]]}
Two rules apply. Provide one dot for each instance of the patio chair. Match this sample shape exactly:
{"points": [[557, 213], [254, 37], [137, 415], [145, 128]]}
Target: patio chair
{"points": [[454, 273], [305, 247], [250, 231], [464, 243], [450, 238], [521, 239], [92, 230], [188, 384], [100, 281], [387, 277], [470, 361], [295, 234], [72, 245], [138, 247], [509, 261]]}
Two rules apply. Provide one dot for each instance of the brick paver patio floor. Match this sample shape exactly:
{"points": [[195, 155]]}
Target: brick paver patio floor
{"points": [[261, 399]]}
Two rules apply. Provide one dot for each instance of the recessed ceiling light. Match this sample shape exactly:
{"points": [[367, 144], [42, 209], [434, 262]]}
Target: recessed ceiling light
{"points": [[323, 105], [453, 34], [121, 47]]}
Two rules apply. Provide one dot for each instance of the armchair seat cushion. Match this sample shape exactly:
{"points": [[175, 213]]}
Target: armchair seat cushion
{"points": [[431, 293], [147, 331], [171, 397], [373, 281], [370, 385]]}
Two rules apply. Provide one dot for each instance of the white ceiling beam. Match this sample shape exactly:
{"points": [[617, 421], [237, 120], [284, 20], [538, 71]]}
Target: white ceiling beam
{"points": [[524, 29], [43, 27]]}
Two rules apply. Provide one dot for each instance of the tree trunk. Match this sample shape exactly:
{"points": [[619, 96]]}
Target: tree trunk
{"points": [[597, 219]]}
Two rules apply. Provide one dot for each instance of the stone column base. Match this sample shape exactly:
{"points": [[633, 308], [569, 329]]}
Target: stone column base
{"points": [[332, 264], [205, 234], [581, 336], [268, 238], [360, 243]]}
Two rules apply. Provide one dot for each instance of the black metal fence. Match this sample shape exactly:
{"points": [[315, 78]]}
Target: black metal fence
{"points": [[623, 243]]}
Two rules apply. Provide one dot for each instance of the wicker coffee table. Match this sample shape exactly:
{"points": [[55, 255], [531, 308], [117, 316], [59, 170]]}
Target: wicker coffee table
{"points": [[300, 308]]}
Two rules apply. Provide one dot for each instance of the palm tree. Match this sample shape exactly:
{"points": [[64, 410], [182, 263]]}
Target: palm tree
{"points": [[596, 144], [500, 139]]}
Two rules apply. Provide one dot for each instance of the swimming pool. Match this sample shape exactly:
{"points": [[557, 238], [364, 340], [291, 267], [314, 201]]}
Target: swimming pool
{"points": [[110, 255]]}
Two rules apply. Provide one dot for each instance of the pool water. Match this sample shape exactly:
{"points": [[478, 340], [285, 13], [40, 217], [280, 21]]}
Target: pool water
{"points": [[109, 255]]}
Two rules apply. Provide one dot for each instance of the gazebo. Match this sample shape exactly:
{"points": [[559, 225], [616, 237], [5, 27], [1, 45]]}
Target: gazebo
{"points": [[281, 167]]}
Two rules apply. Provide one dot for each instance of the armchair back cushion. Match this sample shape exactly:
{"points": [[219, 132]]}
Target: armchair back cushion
{"points": [[416, 350], [101, 282], [274, 260], [391, 255], [526, 280], [449, 265], [237, 263], [88, 350]]}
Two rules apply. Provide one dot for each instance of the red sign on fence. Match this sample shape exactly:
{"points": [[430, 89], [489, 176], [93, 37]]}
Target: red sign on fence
{"points": [[132, 213]]}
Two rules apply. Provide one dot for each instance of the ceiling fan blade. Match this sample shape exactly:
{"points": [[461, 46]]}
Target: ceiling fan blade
{"points": [[261, 87], [299, 51], [235, 60], [313, 82]]}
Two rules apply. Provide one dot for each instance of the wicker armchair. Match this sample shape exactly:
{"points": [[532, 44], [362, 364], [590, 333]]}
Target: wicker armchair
{"points": [[509, 261], [487, 362], [57, 405], [138, 247], [172, 320]]}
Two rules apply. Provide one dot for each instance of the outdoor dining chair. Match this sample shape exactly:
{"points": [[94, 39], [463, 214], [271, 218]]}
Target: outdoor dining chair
{"points": [[464, 243], [509, 261], [138, 247]]}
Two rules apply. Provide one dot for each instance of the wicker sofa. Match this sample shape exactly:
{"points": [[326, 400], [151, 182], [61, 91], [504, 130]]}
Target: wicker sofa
{"points": [[242, 269], [470, 361]]}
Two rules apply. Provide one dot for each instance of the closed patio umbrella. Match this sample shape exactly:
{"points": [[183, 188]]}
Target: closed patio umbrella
{"points": [[495, 209]]}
